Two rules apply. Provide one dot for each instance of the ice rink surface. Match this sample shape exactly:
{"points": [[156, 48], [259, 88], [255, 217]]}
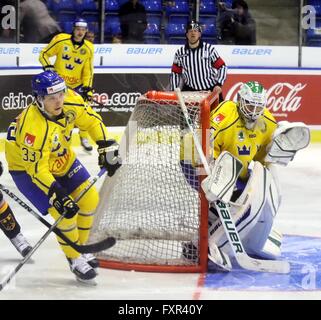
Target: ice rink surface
{"points": [[299, 218]]}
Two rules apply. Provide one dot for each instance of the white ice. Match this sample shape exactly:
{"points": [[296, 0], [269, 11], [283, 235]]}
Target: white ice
{"points": [[49, 277]]}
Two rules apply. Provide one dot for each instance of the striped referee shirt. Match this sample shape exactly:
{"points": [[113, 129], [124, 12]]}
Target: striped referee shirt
{"points": [[201, 68]]}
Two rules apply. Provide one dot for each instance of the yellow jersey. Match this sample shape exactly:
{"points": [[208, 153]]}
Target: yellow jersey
{"points": [[42, 147], [74, 62], [228, 133]]}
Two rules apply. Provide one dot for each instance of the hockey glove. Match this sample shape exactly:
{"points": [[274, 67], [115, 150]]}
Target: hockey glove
{"points": [[1, 168], [49, 68], [108, 155], [58, 198], [87, 93]]}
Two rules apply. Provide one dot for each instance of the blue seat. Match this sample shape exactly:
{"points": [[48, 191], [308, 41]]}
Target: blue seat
{"points": [[152, 5], [112, 25], [314, 43], [91, 16], [112, 5], [208, 25], [179, 19], [62, 5], [208, 7], [93, 27], [121, 2], [87, 5], [153, 25], [175, 30], [48, 4], [177, 6], [64, 16], [318, 10], [314, 34], [313, 2], [67, 26]]}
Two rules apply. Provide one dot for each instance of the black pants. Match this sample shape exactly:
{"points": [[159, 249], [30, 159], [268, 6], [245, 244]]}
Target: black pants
{"points": [[187, 88]]}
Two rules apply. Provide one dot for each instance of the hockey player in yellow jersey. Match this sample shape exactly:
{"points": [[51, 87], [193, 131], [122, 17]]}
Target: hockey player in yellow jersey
{"points": [[45, 168], [74, 63], [248, 131]]}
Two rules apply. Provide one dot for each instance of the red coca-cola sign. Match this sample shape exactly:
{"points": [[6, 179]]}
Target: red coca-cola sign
{"points": [[290, 97]]}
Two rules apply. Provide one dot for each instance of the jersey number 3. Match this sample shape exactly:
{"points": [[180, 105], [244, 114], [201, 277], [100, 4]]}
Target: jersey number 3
{"points": [[27, 155]]}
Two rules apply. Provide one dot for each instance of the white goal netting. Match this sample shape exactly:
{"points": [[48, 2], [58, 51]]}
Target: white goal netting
{"points": [[152, 204]]}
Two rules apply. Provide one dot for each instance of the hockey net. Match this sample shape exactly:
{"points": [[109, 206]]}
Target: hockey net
{"points": [[154, 205]]}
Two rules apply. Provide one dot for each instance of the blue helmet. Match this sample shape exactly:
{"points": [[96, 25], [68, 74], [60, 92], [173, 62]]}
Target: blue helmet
{"points": [[46, 83], [80, 22]]}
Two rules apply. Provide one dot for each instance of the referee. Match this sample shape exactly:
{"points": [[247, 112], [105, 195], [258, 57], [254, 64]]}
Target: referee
{"points": [[197, 64]]}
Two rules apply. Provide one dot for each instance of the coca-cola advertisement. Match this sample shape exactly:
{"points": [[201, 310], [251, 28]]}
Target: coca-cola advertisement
{"points": [[290, 97]]}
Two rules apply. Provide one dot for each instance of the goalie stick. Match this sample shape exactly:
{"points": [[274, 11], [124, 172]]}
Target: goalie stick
{"points": [[111, 240], [222, 208], [86, 248]]}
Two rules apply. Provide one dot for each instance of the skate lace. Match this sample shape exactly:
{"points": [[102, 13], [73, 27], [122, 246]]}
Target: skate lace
{"points": [[81, 265], [88, 256]]}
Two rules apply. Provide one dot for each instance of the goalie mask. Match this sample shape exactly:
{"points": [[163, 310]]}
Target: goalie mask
{"points": [[252, 101]]}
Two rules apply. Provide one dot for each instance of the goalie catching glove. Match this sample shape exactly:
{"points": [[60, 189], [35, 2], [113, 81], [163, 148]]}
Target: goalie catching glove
{"points": [[58, 198], [108, 156], [287, 139]]}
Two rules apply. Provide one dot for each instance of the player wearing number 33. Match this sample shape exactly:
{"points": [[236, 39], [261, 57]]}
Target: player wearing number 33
{"points": [[45, 168], [248, 131]]}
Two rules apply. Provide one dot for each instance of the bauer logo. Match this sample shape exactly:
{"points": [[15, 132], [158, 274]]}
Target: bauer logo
{"points": [[252, 52], [9, 50], [146, 50]]}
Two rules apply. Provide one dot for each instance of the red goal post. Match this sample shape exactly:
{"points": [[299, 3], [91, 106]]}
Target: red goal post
{"points": [[154, 205]]}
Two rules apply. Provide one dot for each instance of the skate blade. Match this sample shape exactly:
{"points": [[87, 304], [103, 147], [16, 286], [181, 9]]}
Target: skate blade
{"points": [[88, 283]]}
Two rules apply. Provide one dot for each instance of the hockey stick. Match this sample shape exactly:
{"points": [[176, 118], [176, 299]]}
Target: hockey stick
{"points": [[232, 235], [89, 248], [112, 241]]}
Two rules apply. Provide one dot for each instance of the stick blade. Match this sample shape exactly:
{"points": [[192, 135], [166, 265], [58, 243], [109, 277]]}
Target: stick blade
{"points": [[99, 246], [272, 266]]}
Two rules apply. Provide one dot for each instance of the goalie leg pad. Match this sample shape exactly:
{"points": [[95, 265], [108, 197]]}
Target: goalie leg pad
{"points": [[253, 212]]}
